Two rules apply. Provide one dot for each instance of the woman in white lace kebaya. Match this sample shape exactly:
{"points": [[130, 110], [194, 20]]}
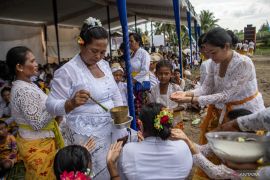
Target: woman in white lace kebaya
{"points": [[87, 75], [36, 137], [230, 84]]}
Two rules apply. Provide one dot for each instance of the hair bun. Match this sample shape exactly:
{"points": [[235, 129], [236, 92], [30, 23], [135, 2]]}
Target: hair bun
{"points": [[234, 37]]}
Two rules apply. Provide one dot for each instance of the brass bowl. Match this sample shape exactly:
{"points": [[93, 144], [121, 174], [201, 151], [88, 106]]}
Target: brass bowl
{"points": [[125, 124], [119, 114]]}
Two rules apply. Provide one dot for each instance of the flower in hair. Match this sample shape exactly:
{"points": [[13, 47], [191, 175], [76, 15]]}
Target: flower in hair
{"points": [[93, 22], [164, 117], [80, 41], [74, 176]]}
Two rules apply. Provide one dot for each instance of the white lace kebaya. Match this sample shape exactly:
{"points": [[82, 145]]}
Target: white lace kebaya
{"points": [[28, 107], [238, 83]]}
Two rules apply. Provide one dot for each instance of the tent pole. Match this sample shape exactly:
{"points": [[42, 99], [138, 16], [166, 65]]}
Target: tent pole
{"points": [[121, 6], [196, 38], [177, 13], [46, 42], [152, 36], [109, 26], [189, 35], [135, 23], [55, 15]]}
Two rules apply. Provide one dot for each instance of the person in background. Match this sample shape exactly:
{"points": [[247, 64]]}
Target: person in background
{"points": [[5, 109], [155, 57], [178, 80], [140, 64], [8, 149], [251, 46], [118, 74]]}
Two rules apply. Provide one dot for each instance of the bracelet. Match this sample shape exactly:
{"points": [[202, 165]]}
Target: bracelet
{"points": [[115, 176], [192, 99]]}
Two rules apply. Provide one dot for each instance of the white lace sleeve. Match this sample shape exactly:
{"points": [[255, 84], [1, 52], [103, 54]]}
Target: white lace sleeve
{"points": [[212, 170], [208, 84], [238, 78], [29, 102], [204, 149], [256, 121]]}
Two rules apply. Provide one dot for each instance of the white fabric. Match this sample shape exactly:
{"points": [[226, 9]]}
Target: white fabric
{"points": [[123, 91], [256, 121], [140, 63], [239, 83], [155, 96], [28, 107], [212, 170], [155, 159], [90, 118], [204, 69], [153, 79], [239, 45], [251, 45], [5, 109], [245, 47]]}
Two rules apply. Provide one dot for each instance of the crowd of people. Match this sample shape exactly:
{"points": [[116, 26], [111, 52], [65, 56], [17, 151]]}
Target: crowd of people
{"points": [[62, 133]]}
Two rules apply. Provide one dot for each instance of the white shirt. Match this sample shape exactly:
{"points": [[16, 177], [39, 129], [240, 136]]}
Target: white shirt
{"points": [[28, 107], [153, 79], [5, 109], [155, 159], [245, 47], [204, 69], [251, 45], [140, 63], [164, 99], [123, 91], [90, 118], [238, 83]]}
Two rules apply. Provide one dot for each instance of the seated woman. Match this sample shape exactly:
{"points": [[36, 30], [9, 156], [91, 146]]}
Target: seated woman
{"points": [[156, 157]]}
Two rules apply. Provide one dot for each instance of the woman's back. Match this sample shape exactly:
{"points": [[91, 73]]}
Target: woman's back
{"points": [[156, 159]]}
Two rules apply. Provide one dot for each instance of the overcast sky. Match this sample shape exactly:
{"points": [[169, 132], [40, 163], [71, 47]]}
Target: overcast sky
{"points": [[236, 14]]}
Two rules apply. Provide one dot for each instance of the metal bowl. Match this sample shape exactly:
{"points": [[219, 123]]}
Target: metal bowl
{"points": [[226, 145], [124, 124]]}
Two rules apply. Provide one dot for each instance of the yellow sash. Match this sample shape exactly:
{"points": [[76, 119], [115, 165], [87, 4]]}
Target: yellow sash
{"points": [[133, 74], [51, 126]]}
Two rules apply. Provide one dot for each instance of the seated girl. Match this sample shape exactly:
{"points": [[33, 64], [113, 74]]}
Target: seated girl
{"points": [[156, 157]]}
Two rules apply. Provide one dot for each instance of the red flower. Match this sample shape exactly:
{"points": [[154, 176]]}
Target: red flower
{"points": [[164, 119]]}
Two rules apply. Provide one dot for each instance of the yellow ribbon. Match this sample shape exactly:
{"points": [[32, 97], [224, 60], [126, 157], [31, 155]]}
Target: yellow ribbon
{"points": [[51, 126]]}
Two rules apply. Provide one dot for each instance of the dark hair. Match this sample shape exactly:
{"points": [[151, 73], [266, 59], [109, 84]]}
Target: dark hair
{"points": [[71, 158], [5, 89], [4, 71], [217, 37], [200, 40], [3, 122], [147, 115], [177, 70], [234, 38], [88, 33], [137, 38], [164, 63], [233, 114], [16, 55]]}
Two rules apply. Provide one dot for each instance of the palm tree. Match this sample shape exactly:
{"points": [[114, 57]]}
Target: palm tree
{"points": [[208, 20], [167, 29]]}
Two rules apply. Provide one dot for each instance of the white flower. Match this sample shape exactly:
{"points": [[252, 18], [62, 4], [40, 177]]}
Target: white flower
{"points": [[93, 22]]}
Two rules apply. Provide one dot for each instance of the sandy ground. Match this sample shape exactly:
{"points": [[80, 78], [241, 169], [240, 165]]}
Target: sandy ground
{"points": [[262, 65]]}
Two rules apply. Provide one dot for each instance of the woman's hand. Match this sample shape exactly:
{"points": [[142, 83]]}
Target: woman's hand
{"points": [[178, 134], [180, 97], [140, 136], [230, 126], [80, 98], [90, 145]]}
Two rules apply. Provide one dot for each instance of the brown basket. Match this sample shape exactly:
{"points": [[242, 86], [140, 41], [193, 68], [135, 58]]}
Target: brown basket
{"points": [[119, 114]]}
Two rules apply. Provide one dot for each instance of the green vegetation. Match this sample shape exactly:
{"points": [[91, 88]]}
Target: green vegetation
{"points": [[208, 20]]}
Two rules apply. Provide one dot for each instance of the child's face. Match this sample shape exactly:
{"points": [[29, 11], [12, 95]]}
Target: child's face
{"points": [[164, 75], [3, 130], [118, 76], [176, 74], [6, 96]]}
